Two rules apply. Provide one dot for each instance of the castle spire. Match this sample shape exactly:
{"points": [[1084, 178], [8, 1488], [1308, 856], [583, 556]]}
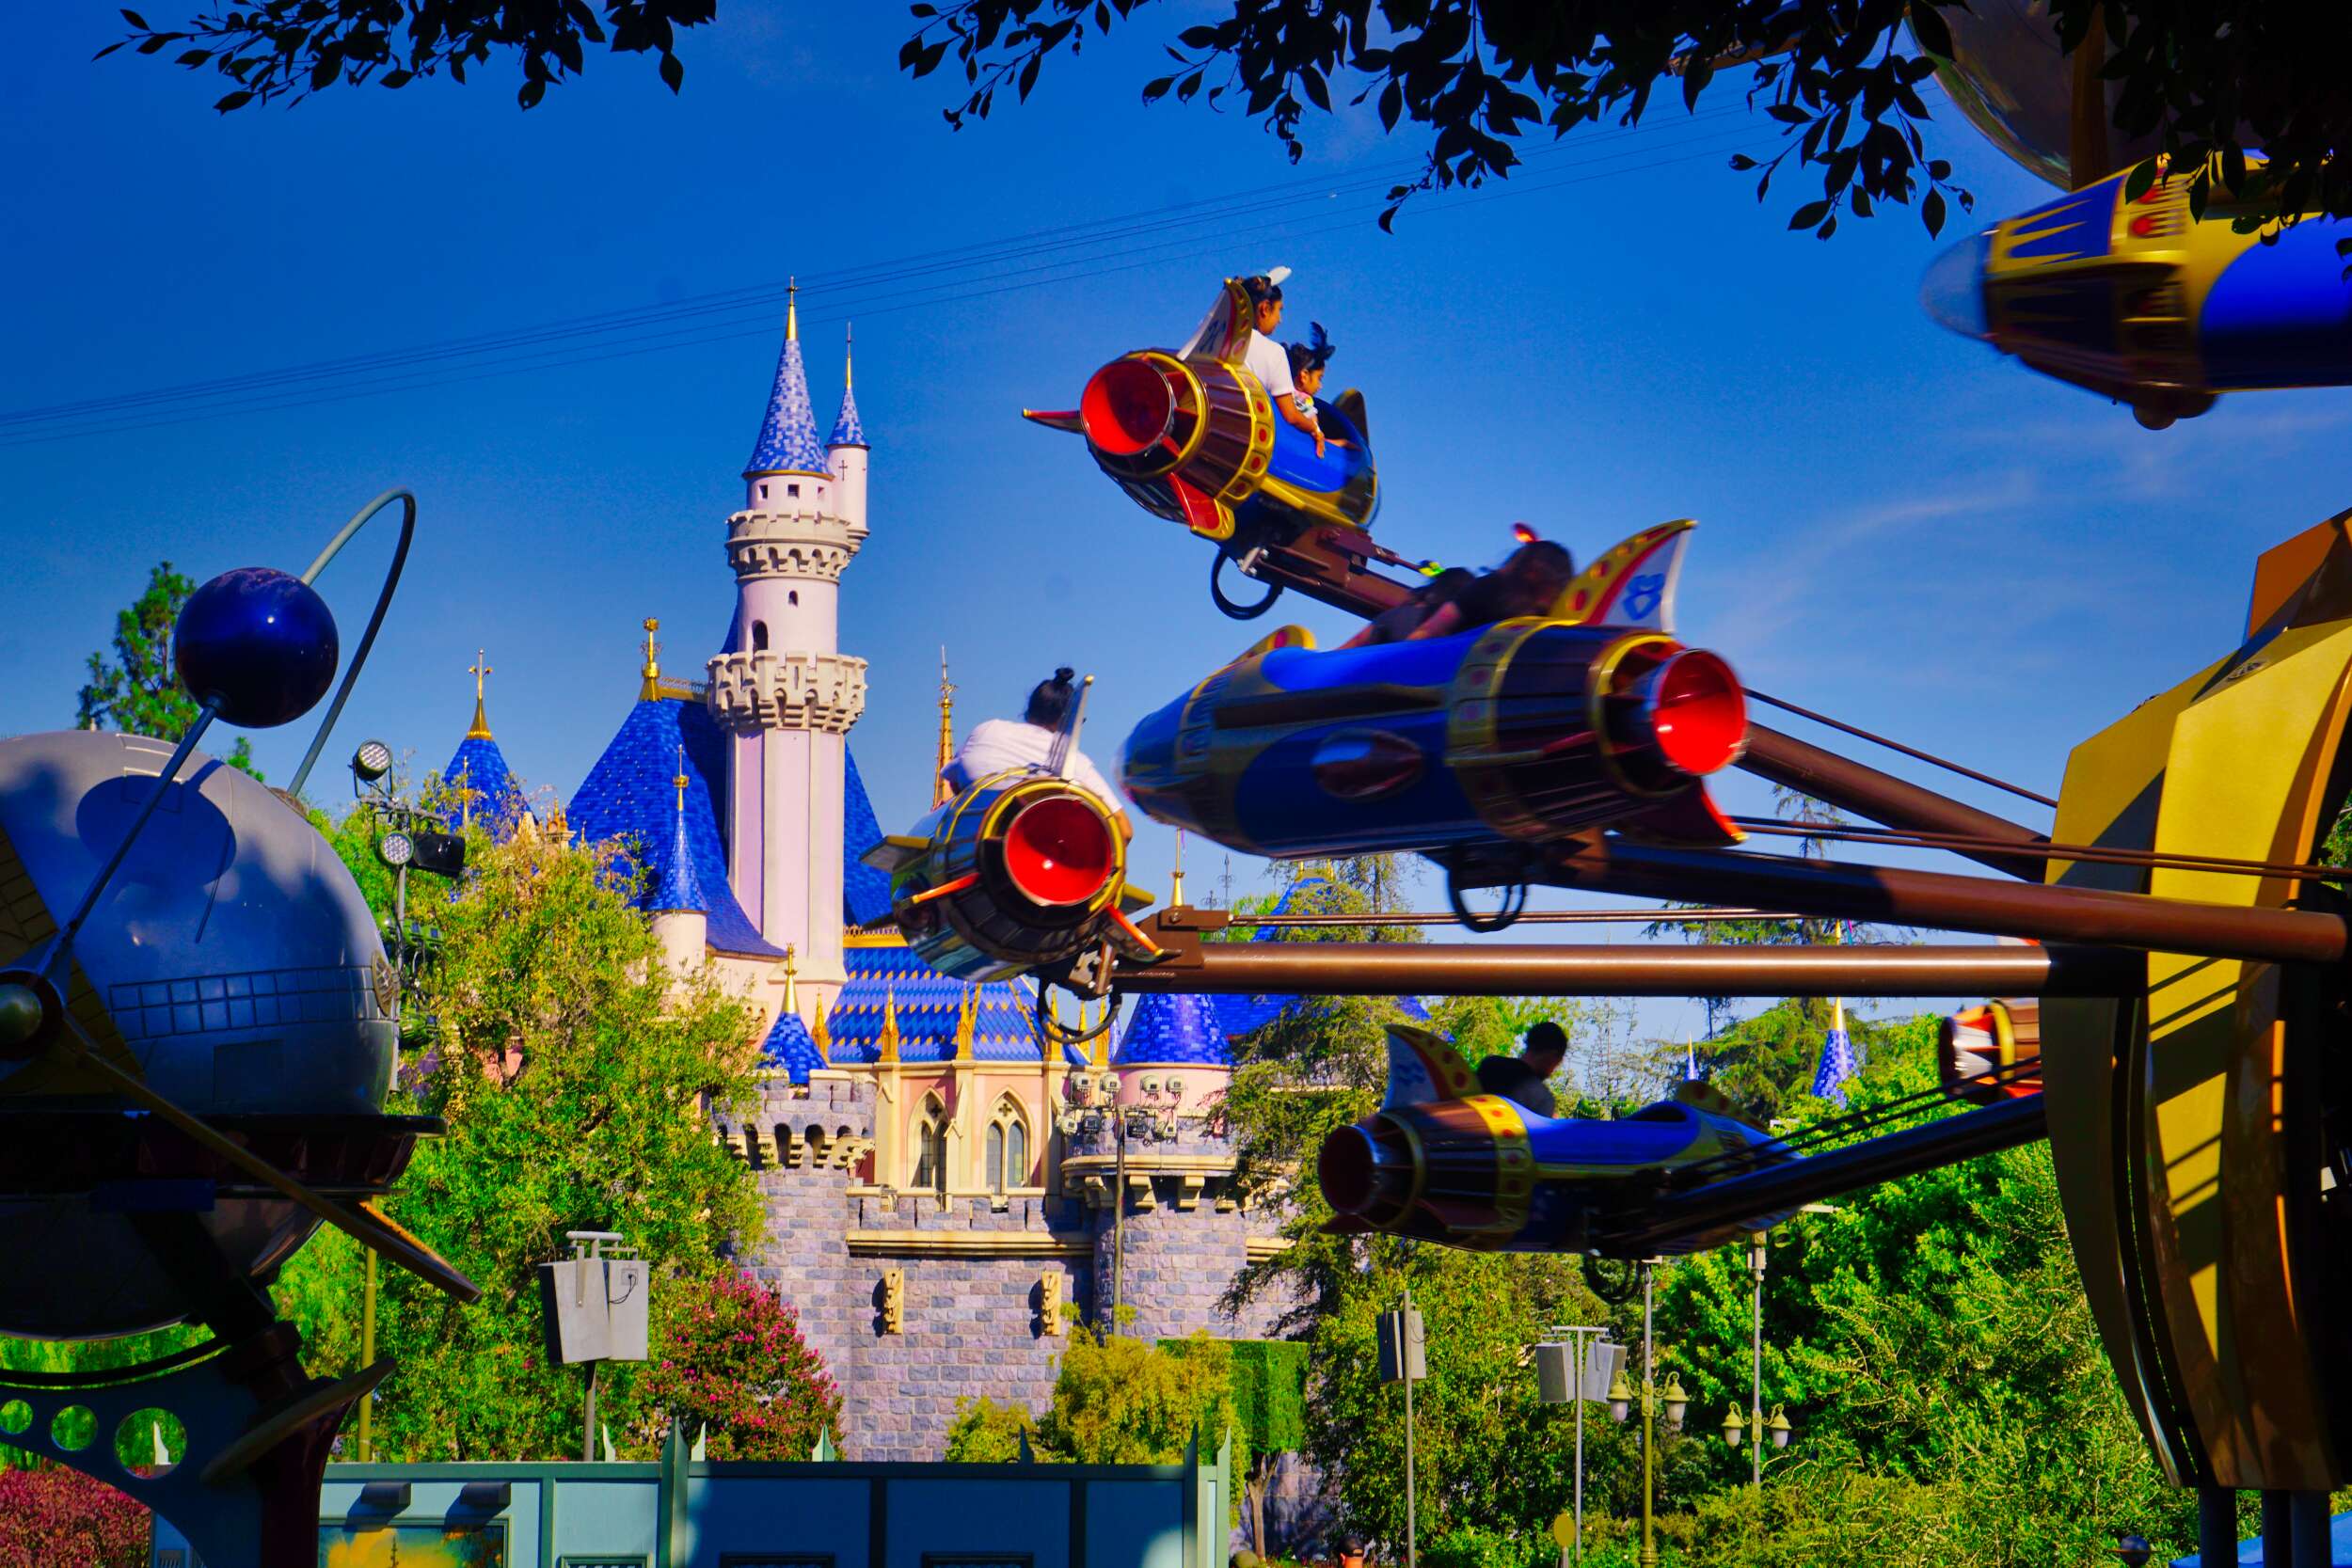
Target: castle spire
{"points": [[650, 690], [480, 668], [791, 971], [846, 430], [968, 1022], [791, 310], [886, 1048], [788, 435], [941, 793]]}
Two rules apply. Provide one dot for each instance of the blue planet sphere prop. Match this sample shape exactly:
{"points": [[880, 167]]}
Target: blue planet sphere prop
{"points": [[260, 643]]}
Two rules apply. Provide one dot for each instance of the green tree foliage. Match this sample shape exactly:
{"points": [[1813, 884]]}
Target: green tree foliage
{"points": [[1115, 1401], [734, 1365], [1269, 1381], [136, 690], [575, 1073], [1841, 77]]}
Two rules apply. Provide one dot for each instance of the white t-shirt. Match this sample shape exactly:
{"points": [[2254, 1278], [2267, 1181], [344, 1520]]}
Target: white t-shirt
{"points": [[1270, 363], [1001, 745]]}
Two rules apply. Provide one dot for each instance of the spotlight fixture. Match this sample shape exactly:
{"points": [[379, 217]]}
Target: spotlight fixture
{"points": [[395, 850], [372, 761], [443, 854]]}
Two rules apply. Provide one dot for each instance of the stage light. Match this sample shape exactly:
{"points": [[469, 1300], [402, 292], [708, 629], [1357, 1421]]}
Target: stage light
{"points": [[395, 850], [372, 761]]}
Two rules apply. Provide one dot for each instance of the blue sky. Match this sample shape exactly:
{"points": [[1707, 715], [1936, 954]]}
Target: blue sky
{"points": [[1896, 525]]}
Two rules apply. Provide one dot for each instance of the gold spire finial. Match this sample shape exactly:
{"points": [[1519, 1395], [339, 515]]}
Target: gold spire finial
{"points": [[941, 792], [647, 693], [680, 780], [480, 668], [849, 357], [792, 997], [886, 1048], [968, 1022], [791, 310], [1100, 1048], [1176, 877], [820, 1037]]}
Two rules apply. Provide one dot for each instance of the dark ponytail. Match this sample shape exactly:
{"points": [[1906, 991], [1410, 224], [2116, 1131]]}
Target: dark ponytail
{"points": [[1049, 703]]}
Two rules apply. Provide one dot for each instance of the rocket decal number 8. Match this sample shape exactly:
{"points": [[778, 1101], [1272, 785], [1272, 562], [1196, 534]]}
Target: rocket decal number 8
{"points": [[1642, 594]]}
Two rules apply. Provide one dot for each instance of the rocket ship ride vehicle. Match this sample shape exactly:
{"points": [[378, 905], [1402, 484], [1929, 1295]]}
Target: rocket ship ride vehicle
{"points": [[1192, 436], [2131, 297], [2125, 295], [1444, 1161], [1020, 871], [1473, 748]]}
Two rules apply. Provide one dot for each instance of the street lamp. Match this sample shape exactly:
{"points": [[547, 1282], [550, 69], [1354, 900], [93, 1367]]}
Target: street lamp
{"points": [[1737, 1428], [1675, 1403], [1094, 1108], [1620, 1402]]}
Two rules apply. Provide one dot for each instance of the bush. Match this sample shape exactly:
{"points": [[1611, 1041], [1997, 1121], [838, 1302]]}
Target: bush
{"points": [[53, 1517], [986, 1433], [733, 1362], [1477, 1546]]}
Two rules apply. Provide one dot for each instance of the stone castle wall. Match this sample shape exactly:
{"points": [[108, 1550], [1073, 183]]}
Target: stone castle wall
{"points": [[973, 1319]]}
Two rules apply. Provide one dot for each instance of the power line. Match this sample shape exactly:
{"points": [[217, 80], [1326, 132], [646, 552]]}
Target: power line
{"points": [[268, 392]]}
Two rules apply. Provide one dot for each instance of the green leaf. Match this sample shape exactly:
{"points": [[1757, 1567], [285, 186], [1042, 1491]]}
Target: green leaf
{"points": [[135, 20], [673, 72], [1929, 26], [1931, 211], [1808, 214], [237, 99]]}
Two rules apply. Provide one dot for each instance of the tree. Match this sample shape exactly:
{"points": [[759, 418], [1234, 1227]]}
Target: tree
{"points": [[733, 1364], [54, 1517], [1478, 76], [137, 692], [1115, 1401], [1482, 75], [575, 1074], [1270, 1380]]}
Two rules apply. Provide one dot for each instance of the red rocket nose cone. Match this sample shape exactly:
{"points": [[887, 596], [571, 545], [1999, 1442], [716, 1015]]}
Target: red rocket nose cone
{"points": [[1060, 851], [1126, 407], [1698, 713]]}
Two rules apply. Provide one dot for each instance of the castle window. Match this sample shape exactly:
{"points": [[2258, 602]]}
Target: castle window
{"points": [[792, 595], [759, 637], [930, 1148], [763, 492], [1007, 1146], [791, 489]]}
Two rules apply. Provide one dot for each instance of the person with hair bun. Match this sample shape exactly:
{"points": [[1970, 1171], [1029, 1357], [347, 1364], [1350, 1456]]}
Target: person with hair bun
{"points": [[1005, 745]]}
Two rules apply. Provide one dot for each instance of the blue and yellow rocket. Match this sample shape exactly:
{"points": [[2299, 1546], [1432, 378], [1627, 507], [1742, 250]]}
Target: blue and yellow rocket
{"points": [[2133, 298], [1442, 1161], [1529, 730]]}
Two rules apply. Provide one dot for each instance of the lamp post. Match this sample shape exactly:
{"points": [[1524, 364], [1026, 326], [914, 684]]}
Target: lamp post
{"points": [[1754, 1427], [1094, 1108], [1675, 1402]]}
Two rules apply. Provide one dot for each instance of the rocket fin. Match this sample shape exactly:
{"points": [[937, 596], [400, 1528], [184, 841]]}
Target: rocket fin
{"points": [[1351, 402], [895, 850], [1056, 419], [1204, 513], [1690, 818], [1632, 584], [1280, 637], [1423, 1067]]}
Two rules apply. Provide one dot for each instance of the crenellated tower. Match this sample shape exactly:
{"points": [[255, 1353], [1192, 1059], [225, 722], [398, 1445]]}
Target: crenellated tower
{"points": [[781, 689]]}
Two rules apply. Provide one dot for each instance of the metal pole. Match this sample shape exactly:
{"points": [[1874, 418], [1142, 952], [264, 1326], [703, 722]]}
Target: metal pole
{"points": [[1464, 969], [367, 1358], [2216, 1525], [400, 924], [1119, 1214], [588, 1436], [1883, 798], [1756, 1385], [1583, 1362], [1649, 1430], [1405, 1350]]}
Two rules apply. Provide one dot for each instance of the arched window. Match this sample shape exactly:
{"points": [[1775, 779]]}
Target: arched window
{"points": [[792, 595], [1007, 1146], [759, 637], [930, 1148], [763, 492]]}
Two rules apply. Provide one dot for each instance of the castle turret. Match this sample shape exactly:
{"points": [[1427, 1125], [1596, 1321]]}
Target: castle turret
{"points": [[780, 689], [480, 785], [681, 918], [846, 450]]}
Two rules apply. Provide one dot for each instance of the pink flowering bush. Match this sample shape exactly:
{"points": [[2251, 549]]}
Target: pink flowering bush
{"points": [[54, 1517], [732, 1360]]}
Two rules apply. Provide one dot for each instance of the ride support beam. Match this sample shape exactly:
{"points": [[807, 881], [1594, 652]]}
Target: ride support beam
{"points": [[1943, 901], [1887, 800], [1498, 969], [1777, 1188]]}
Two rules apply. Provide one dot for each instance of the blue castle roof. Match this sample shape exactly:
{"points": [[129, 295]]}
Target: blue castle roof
{"points": [[886, 975], [670, 883], [865, 892], [627, 797], [847, 431], [788, 437], [491, 795], [791, 1049]]}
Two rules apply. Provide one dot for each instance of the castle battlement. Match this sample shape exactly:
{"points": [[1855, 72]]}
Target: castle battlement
{"points": [[789, 689], [805, 543]]}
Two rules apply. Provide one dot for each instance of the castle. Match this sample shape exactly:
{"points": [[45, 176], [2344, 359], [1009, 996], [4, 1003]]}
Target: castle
{"points": [[939, 1182]]}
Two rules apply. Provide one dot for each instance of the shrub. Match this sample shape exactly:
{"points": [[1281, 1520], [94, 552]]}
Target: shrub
{"points": [[733, 1362], [53, 1517]]}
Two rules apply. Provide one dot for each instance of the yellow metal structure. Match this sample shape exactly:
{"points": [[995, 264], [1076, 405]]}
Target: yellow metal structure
{"points": [[2186, 1128]]}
